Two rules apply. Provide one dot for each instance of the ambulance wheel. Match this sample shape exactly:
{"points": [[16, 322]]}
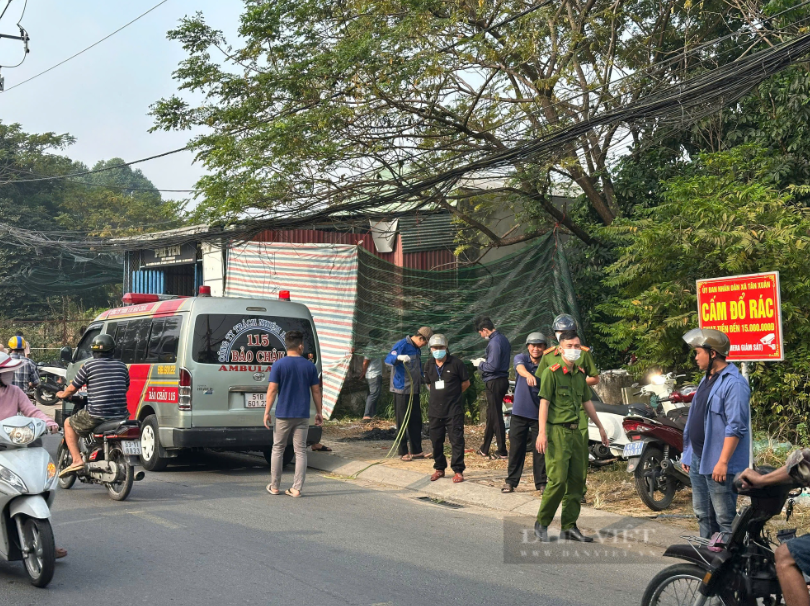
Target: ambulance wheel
{"points": [[150, 445], [289, 455]]}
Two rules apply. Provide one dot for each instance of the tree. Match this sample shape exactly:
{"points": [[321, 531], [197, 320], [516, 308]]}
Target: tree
{"points": [[35, 209], [327, 101], [724, 216]]}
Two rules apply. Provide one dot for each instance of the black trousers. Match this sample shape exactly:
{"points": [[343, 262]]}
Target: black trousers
{"points": [[523, 434], [453, 427], [413, 433], [496, 390]]}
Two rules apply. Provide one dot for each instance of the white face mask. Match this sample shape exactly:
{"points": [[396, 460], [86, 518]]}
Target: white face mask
{"points": [[572, 355]]}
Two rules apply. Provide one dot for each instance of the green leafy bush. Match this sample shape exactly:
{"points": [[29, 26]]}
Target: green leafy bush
{"points": [[722, 216]]}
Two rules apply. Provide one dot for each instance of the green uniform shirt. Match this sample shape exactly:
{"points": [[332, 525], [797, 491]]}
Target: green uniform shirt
{"points": [[566, 390], [553, 356]]}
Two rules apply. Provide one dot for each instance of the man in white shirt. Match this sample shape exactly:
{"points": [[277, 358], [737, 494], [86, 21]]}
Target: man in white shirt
{"points": [[372, 371]]}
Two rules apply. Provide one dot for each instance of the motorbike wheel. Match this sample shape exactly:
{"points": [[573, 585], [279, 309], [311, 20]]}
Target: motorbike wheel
{"points": [[46, 398], [677, 586], [40, 562], [649, 484], [63, 459], [119, 491]]}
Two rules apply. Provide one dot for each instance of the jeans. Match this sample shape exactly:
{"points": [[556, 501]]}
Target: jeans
{"points": [[299, 428], [374, 389], [715, 503], [496, 390], [413, 431], [522, 433]]}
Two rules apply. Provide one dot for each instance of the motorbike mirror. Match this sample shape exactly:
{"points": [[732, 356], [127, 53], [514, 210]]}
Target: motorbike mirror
{"points": [[66, 354]]}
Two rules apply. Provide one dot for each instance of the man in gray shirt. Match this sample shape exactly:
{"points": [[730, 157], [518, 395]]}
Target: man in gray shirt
{"points": [[372, 371]]}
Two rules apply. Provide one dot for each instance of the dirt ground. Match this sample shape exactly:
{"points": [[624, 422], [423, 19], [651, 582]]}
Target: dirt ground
{"points": [[610, 488]]}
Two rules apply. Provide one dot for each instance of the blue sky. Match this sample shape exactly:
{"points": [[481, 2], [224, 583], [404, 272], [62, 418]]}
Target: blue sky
{"points": [[102, 97]]}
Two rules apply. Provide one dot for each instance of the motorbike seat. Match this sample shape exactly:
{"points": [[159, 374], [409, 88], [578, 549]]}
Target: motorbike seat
{"points": [[109, 426], [612, 409]]}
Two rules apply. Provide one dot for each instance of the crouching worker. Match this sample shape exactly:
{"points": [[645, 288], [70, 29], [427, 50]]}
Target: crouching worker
{"points": [[446, 378], [107, 381]]}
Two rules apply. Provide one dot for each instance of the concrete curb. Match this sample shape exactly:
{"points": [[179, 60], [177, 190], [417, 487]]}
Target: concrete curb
{"points": [[650, 532]]}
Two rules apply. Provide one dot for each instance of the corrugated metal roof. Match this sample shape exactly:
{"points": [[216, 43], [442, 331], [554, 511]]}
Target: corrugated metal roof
{"points": [[427, 232]]}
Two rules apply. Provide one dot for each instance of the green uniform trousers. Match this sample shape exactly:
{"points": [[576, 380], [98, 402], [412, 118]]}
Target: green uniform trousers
{"points": [[567, 468]]}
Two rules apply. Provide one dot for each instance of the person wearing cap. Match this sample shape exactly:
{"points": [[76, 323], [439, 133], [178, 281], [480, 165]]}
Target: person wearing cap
{"points": [[523, 423], [405, 361], [26, 376], [565, 406], [717, 435], [447, 379], [13, 401], [552, 355], [494, 371]]}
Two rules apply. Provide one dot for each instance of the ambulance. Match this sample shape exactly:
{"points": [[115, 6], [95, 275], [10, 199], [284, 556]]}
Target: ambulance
{"points": [[199, 368]]}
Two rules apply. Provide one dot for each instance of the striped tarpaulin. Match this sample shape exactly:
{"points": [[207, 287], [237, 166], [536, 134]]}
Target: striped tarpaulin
{"points": [[321, 276]]}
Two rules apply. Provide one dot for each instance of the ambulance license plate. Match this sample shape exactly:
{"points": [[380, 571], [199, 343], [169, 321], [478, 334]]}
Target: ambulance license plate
{"points": [[255, 400]]}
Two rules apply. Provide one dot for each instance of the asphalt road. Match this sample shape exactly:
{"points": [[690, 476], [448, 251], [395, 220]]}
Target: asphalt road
{"points": [[208, 533]]}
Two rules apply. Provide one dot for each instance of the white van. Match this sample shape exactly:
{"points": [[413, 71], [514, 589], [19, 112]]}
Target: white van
{"points": [[199, 368]]}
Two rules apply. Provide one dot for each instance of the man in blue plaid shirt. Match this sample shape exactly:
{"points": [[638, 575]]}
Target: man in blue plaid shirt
{"points": [[26, 376]]}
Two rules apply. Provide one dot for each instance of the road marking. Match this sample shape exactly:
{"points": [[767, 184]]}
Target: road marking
{"points": [[77, 521], [150, 517]]}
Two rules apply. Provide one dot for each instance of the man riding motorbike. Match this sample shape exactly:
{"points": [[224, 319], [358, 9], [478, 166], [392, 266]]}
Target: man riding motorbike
{"points": [[793, 556], [107, 381], [13, 401]]}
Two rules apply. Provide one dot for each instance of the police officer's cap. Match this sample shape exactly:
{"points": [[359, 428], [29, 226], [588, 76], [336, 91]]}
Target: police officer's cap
{"points": [[709, 339], [437, 340], [564, 322], [536, 338]]}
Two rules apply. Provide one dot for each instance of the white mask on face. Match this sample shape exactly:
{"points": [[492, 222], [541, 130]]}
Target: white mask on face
{"points": [[572, 355]]}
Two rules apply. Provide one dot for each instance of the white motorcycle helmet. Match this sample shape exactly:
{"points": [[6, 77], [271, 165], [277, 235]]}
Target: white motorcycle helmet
{"points": [[8, 365]]}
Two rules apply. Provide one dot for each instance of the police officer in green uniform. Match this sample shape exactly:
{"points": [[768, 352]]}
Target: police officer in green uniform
{"points": [[565, 405], [552, 355]]}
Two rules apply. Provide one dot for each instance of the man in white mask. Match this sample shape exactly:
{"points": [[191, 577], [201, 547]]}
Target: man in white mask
{"points": [[565, 405]]}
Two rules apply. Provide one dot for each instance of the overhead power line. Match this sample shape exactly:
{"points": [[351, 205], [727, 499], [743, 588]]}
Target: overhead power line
{"points": [[108, 36]]}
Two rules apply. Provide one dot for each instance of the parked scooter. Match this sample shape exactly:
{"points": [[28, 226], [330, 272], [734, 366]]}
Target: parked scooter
{"points": [[51, 381], [27, 490], [612, 417], [110, 454], [655, 448]]}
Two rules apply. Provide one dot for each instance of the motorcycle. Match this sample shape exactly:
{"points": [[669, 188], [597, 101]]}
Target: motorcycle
{"points": [[729, 569], [655, 446], [51, 380], [612, 416], [110, 455], [27, 490]]}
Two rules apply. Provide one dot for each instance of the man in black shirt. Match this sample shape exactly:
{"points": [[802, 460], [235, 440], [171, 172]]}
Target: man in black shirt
{"points": [[447, 380]]}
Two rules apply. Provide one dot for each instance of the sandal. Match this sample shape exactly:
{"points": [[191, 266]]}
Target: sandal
{"points": [[507, 488], [439, 473], [61, 553], [74, 468], [481, 453], [458, 478], [271, 490], [406, 457], [289, 492], [321, 449], [421, 455]]}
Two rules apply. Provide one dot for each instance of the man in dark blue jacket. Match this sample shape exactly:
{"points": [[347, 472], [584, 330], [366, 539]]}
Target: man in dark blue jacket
{"points": [[405, 360], [494, 371]]}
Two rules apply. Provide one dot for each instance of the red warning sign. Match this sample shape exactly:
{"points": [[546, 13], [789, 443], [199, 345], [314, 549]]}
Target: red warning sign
{"points": [[748, 310]]}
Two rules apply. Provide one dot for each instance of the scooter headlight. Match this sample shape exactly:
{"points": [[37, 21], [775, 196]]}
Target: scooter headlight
{"points": [[20, 435], [10, 482]]}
